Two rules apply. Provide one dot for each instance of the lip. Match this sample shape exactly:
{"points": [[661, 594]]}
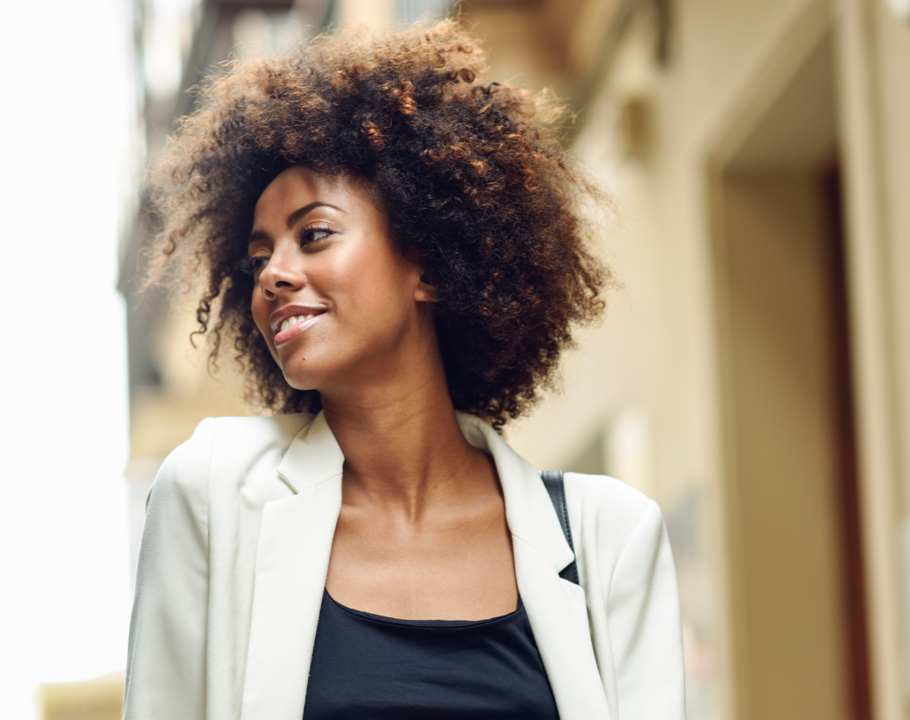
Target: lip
{"points": [[288, 311]]}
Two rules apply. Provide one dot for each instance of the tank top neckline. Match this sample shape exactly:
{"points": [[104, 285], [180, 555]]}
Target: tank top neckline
{"points": [[454, 624]]}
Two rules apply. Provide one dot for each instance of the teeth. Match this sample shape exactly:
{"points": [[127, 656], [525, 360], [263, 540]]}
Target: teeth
{"points": [[291, 321]]}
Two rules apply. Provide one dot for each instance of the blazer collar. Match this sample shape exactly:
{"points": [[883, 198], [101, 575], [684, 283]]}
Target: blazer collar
{"points": [[312, 457]]}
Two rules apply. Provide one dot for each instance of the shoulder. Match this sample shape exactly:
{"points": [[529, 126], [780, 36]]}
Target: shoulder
{"points": [[626, 567], [232, 444], [607, 499], [612, 518]]}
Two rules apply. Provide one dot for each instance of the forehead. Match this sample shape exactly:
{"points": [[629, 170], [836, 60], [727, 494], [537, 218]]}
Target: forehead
{"points": [[300, 185]]}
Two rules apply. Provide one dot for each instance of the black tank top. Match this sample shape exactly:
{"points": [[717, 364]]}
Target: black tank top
{"points": [[370, 667]]}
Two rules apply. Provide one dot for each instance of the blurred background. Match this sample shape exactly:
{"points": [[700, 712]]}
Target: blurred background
{"points": [[753, 374]]}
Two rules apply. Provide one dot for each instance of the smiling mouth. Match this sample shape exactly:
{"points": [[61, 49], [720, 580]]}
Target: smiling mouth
{"points": [[291, 321], [291, 327]]}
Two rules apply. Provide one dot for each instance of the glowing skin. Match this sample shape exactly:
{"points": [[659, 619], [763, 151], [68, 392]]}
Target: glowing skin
{"points": [[338, 304]]}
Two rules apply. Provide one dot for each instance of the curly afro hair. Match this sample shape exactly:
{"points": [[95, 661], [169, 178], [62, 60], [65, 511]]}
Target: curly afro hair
{"points": [[470, 174]]}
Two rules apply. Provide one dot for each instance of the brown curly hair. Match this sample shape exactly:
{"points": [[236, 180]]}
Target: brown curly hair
{"points": [[470, 174]]}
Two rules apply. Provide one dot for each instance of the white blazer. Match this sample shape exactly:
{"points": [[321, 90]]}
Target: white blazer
{"points": [[235, 553]]}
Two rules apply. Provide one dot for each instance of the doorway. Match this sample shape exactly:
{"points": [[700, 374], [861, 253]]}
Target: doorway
{"points": [[799, 620]]}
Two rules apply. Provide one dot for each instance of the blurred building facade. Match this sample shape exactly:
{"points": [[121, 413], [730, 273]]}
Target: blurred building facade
{"points": [[753, 373]]}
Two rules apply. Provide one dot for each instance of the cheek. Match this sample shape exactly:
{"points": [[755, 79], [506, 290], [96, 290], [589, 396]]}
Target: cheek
{"points": [[364, 283], [388, 280]]}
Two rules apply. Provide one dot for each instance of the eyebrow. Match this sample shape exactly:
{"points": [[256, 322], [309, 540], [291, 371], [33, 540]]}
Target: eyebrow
{"points": [[296, 216], [293, 218]]}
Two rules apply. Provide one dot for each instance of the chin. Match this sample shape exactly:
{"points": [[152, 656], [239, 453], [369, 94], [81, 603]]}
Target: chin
{"points": [[297, 371], [301, 383]]}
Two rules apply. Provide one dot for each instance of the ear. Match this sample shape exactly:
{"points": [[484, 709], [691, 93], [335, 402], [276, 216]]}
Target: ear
{"points": [[424, 292]]}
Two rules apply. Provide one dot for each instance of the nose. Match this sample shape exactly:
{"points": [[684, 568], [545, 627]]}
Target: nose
{"points": [[282, 273]]}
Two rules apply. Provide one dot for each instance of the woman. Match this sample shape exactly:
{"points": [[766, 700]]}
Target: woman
{"points": [[394, 250]]}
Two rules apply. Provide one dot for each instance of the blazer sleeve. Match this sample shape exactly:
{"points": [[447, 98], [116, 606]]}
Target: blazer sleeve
{"points": [[166, 663], [645, 625]]}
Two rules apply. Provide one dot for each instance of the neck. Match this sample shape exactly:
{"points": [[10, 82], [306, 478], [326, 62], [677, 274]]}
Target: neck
{"points": [[402, 445]]}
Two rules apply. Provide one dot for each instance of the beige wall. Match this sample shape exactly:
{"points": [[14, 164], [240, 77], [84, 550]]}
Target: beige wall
{"points": [[782, 509], [892, 45]]}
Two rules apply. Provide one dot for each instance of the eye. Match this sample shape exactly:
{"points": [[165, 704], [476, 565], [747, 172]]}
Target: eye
{"points": [[252, 265], [310, 235]]}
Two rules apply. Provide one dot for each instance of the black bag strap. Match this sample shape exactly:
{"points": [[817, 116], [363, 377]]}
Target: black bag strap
{"points": [[556, 489]]}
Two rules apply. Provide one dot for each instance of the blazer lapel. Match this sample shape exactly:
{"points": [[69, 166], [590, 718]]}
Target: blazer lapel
{"points": [[292, 559], [556, 608]]}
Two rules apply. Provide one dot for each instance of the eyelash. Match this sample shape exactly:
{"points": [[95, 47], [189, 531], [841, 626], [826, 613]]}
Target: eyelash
{"points": [[251, 265], [309, 231]]}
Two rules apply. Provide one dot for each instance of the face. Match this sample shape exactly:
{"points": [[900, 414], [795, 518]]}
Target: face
{"points": [[334, 298]]}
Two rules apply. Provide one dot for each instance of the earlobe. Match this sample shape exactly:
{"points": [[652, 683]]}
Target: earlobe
{"points": [[425, 293]]}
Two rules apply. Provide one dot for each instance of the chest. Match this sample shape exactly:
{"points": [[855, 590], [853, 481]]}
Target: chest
{"points": [[456, 569]]}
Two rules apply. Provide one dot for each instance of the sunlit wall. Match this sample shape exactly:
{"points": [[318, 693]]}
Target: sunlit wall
{"points": [[68, 156]]}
